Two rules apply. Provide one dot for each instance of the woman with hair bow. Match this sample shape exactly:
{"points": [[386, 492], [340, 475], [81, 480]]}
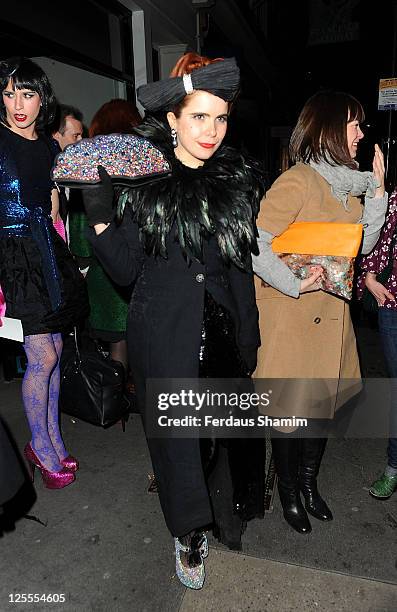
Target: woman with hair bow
{"points": [[186, 242], [40, 280]]}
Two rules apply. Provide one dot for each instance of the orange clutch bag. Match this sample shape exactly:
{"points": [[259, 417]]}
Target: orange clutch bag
{"points": [[330, 245]]}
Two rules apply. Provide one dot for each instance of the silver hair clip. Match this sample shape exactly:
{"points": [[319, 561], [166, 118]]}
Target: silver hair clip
{"points": [[187, 83]]}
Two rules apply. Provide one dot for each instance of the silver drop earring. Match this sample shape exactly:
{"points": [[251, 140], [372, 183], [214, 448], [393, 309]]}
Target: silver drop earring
{"points": [[174, 137]]}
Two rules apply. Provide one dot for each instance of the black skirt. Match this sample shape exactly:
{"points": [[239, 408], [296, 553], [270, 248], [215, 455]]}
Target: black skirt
{"points": [[25, 290]]}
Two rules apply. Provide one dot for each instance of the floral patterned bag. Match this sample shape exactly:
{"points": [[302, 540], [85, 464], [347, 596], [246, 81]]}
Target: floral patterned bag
{"points": [[333, 246]]}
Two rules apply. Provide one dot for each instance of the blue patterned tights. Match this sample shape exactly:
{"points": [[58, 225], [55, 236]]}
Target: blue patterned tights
{"points": [[40, 392]]}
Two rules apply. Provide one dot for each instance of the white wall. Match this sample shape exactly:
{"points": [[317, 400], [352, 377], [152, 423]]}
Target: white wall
{"points": [[85, 90]]}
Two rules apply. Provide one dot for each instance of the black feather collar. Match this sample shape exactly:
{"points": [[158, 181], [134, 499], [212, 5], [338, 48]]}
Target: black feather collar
{"points": [[220, 198]]}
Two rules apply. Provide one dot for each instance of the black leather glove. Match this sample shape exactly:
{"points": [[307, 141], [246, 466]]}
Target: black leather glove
{"points": [[98, 200]]}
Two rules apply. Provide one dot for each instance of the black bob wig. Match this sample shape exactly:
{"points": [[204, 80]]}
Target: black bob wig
{"points": [[25, 74]]}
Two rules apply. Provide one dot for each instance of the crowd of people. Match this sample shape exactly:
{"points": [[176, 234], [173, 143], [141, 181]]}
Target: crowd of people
{"points": [[185, 283]]}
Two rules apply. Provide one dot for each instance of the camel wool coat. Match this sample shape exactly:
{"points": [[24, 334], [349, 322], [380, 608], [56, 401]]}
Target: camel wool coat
{"points": [[312, 336]]}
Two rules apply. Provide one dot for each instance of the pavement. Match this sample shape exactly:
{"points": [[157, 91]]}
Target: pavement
{"points": [[103, 545]]}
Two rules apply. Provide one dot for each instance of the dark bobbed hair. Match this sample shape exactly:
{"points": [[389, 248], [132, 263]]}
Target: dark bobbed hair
{"points": [[320, 132], [117, 116], [28, 75]]}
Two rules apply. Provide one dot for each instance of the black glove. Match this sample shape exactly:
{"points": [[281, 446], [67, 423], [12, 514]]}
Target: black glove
{"points": [[98, 200]]}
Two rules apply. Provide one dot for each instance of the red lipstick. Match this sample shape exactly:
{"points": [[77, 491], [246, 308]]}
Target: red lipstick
{"points": [[206, 145], [20, 118]]}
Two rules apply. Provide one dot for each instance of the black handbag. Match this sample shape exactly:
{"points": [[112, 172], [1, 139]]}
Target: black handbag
{"points": [[92, 387], [369, 302]]}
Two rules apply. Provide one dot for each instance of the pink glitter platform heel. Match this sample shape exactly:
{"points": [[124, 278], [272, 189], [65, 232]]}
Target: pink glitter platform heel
{"points": [[71, 463], [51, 480]]}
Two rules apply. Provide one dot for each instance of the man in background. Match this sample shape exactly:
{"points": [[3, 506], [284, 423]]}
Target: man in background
{"points": [[67, 129], [69, 126]]}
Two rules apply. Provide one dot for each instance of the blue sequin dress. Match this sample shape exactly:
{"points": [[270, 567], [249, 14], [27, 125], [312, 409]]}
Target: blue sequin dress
{"points": [[39, 278]]}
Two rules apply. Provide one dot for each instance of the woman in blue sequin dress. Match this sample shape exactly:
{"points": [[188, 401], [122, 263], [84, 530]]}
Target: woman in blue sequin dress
{"points": [[40, 280]]}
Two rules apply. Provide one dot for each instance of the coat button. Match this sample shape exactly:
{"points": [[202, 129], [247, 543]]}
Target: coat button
{"points": [[200, 278], [317, 320]]}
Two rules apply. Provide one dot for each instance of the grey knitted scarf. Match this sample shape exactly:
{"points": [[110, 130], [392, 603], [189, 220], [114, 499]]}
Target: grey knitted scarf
{"points": [[344, 180]]}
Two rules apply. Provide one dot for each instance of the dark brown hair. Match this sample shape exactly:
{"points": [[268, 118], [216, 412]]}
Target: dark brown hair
{"points": [[320, 132], [186, 65], [115, 117]]}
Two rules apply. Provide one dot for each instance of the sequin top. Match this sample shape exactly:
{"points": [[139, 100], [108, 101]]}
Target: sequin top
{"points": [[25, 181], [25, 199], [378, 259]]}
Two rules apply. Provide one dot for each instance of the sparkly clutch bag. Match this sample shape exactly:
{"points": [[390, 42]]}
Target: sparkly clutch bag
{"points": [[126, 158], [333, 246]]}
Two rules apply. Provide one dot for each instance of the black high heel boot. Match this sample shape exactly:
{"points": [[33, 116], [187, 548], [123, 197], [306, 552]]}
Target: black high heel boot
{"points": [[312, 450], [286, 460]]}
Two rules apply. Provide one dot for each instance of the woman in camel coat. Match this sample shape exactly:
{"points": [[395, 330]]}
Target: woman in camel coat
{"points": [[307, 333]]}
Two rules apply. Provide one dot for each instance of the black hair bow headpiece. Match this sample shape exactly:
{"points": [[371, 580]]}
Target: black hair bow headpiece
{"points": [[9, 66], [221, 78]]}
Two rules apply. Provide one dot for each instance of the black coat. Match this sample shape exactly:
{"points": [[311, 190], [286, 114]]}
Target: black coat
{"points": [[164, 334], [212, 211], [166, 310]]}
